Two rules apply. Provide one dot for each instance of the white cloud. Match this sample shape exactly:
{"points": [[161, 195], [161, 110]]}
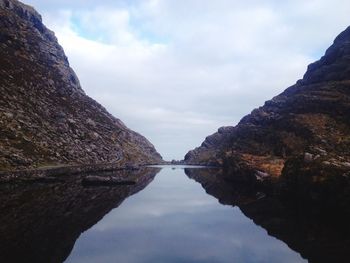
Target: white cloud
{"points": [[175, 71]]}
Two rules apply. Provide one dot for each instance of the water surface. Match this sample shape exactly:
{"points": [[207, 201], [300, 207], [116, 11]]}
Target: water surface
{"points": [[174, 220]]}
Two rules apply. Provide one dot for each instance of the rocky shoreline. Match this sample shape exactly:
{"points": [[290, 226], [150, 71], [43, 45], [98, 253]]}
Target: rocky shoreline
{"points": [[48, 174]]}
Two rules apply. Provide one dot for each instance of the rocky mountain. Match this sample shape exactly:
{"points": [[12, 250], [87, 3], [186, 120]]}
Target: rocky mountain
{"points": [[46, 118], [304, 131]]}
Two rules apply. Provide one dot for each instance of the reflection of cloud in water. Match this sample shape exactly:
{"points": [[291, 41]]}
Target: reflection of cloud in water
{"points": [[177, 197], [174, 220]]}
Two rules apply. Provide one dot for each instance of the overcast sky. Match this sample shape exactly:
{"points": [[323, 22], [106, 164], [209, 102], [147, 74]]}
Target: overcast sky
{"points": [[177, 70]]}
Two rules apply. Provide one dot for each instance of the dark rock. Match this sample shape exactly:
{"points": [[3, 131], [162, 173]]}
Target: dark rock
{"points": [[46, 118], [308, 157], [105, 181], [309, 119], [177, 162]]}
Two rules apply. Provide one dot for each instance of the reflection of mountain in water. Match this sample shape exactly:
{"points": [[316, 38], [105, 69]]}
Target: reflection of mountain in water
{"points": [[318, 234], [41, 222]]}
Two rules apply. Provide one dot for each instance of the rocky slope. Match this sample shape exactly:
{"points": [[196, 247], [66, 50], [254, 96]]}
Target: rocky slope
{"points": [[305, 130], [45, 116]]}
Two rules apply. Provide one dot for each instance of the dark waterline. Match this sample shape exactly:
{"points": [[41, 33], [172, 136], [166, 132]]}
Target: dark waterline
{"points": [[174, 220]]}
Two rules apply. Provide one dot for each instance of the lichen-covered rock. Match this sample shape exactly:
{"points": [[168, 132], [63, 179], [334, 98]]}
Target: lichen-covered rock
{"points": [[309, 120], [45, 116], [207, 153]]}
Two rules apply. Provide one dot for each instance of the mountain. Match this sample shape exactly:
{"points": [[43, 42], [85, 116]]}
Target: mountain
{"points": [[46, 119], [304, 131]]}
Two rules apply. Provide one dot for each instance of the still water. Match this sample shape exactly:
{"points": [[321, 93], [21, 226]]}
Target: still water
{"points": [[174, 220]]}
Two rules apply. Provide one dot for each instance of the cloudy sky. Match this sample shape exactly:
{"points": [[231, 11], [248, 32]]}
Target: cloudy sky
{"points": [[177, 70]]}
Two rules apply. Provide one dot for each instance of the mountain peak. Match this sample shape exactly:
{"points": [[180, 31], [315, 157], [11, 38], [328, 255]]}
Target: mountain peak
{"points": [[309, 119], [334, 65], [22, 10], [343, 37], [46, 119]]}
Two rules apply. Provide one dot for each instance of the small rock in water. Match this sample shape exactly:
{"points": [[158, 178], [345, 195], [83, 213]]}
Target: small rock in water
{"points": [[105, 181]]}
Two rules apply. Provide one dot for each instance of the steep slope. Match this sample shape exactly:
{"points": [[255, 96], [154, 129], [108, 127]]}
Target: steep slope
{"points": [[45, 117], [305, 128]]}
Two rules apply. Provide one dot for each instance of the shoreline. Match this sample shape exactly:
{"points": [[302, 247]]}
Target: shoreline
{"points": [[69, 170], [64, 170]]}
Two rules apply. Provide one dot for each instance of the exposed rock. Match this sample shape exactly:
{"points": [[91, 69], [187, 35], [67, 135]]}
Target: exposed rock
{"points": [[105, 181], [261, 175], [309, 120], [346, 164], [207, 153], [176, 162], [45, 116], [308, 157]]}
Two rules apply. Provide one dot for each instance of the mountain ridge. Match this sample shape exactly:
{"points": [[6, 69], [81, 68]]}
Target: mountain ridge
{"points": [[308, 121], [46, 118]]}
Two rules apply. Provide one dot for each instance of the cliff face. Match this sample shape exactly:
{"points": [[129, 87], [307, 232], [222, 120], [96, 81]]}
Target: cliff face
{"points": [[306, 128], [45, 117]]}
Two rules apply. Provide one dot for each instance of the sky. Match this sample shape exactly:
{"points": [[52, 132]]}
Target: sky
{"points": [[175, 70]]}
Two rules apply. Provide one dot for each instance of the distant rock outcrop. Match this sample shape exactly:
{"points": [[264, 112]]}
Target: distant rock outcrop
{"points": [[46, 118], [305, 130]]}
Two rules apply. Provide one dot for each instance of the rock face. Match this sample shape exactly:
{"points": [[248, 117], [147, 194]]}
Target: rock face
{"points": [[304, 130], [45, 117]]}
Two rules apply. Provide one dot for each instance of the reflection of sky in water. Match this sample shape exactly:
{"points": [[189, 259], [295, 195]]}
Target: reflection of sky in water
{"points": [[174, 220]]}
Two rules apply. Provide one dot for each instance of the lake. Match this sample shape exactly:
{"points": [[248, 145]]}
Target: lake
{"points": [[174, 220], [171, 214]]}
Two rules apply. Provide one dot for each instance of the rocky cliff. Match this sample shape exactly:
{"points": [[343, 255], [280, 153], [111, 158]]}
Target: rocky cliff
{"points": [[305, 130], [46, 118]]}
